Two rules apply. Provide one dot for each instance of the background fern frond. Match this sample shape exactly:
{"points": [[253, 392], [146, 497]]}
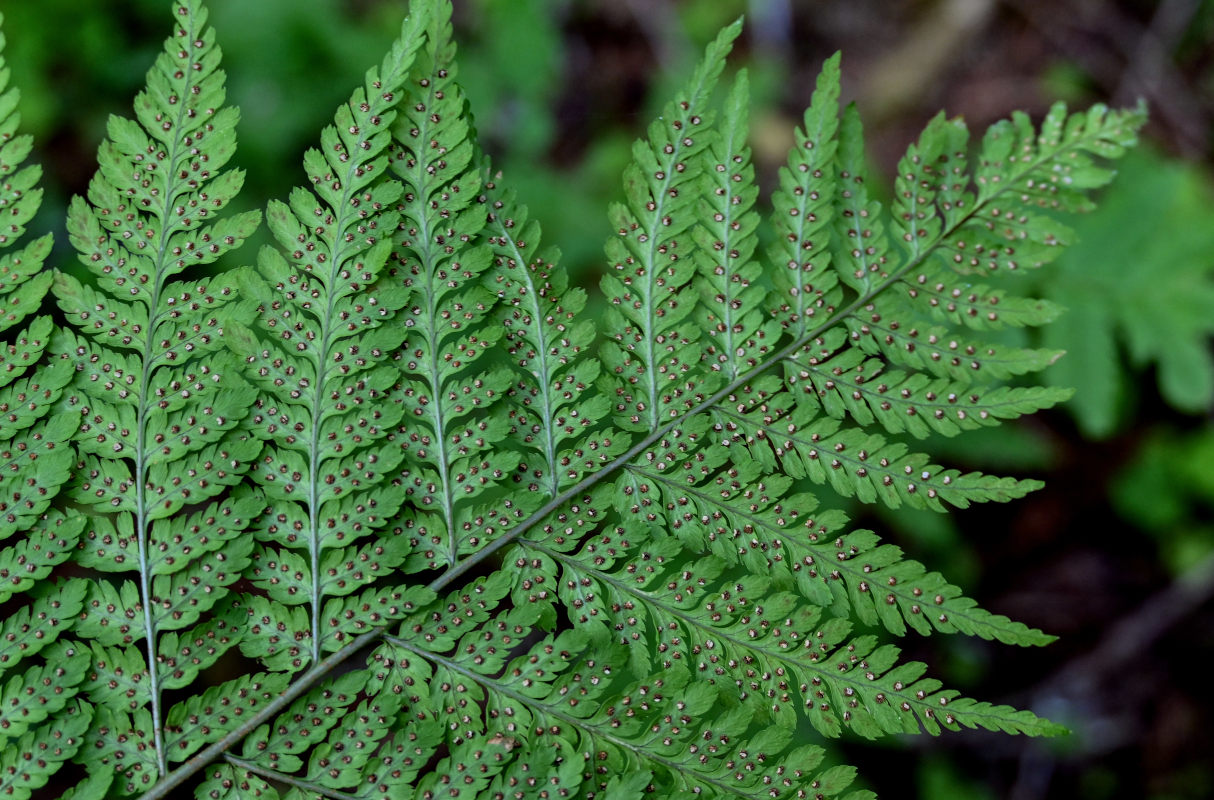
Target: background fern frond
{"points": [[1158, 307]]}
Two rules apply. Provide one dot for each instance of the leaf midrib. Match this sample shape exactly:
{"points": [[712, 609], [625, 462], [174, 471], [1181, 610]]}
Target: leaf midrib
{"points": [[149, 364]]}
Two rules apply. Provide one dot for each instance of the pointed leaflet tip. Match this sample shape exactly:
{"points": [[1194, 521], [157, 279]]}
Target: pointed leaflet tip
{"points": [[710, 67], [723, 44], [738, 104], [413, 28]]}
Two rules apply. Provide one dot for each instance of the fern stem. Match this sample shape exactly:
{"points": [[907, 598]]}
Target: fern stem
{"points": [[145, 592], [278, 777], [145, 581], [314, 455]]}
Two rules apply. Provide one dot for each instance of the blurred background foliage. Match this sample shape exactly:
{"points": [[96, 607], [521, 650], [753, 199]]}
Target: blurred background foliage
{"points": [[1114, 555]]}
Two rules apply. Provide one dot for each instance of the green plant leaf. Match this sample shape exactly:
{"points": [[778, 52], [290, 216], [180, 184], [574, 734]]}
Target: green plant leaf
{"points": [[155, 402], [398, 511], [1157, 307]]}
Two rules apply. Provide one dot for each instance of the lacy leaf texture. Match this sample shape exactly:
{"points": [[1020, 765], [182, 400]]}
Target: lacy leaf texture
{"points": [[389, 514]]}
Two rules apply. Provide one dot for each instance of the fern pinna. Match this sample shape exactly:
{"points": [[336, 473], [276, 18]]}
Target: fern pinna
{"points": [[162, 457], [455, 535]]}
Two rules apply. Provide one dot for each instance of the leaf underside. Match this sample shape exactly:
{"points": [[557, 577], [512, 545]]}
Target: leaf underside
{"points": [[462, 533]]}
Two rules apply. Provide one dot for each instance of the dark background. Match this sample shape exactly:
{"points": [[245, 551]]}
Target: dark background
{"points": [[1114, 556]]}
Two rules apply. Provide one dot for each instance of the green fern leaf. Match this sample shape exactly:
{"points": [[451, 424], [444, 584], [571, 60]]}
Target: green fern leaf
{"points": [[35, 461], [579, 556], [25, 700], [305, 724], [26, 764], [555, 405], [319, 352], [155, 402], [449, 391], [217, 711], [804, 209], [225, 782], [649, 290], [29, 629], [686, 478], [732, 292], [886, 698]]}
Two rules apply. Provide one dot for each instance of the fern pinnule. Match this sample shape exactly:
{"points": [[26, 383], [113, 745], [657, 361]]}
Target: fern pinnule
{"points": [[449, 390], [319, 350], [157, 404], [39, 730], [555, 404], [733, 293]]}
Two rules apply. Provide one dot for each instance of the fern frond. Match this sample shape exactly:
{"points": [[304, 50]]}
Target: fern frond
{"points": [[1158, 304], [568, 575], [155, 400], [319, 352]]}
